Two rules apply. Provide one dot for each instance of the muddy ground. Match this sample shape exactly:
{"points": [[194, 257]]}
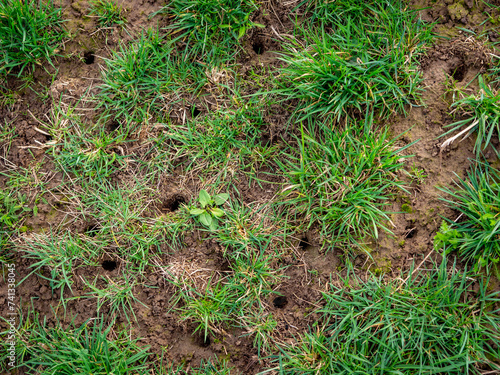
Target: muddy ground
{"points": [[458, 55]]}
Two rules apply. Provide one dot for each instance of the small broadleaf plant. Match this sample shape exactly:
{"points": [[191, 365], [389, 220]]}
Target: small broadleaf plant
{"points": [[209, 213]]}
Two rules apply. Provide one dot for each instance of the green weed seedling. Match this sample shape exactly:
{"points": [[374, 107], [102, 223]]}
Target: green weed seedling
{"points": [[482, 112], [476, 236], [417, 174], [31, 32], [209, 213], [107, 12]]}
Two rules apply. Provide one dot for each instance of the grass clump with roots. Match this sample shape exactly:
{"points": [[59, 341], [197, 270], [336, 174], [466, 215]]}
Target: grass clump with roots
{"points": [[482, 112], [423, 323]]}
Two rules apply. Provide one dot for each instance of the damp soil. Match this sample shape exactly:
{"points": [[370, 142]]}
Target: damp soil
{"points": [[307, 268]]}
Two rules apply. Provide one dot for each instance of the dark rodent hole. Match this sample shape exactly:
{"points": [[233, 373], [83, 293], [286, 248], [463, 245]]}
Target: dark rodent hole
{"points": [[410, 231], [92, 230], [258, 47], [303, 244], [173, 203], [195, 111], [202, 341], [114, 125], [280, 302], [109, 265], [459, 73], [88, 57]]}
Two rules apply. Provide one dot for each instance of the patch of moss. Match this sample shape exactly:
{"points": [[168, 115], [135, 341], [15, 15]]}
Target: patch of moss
{"points": [[406, 208], [384, 265], [457, 11]]}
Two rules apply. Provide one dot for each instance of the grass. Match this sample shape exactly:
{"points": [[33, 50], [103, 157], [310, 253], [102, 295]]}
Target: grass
{"points": [[60, 254], [143, 81], [224, 144], [177, 115], [107, 12], [422, 323], [368, 61], [118, 296], [476, 233], [214, 303], [341, 181], [482, 116], [31, 33], [211, 27], [88, 349]]}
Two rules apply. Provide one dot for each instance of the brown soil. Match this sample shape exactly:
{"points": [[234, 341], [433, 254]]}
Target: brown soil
{"points": [[308, 270]]}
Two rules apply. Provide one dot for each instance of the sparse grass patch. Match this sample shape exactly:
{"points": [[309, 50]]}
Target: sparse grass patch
{"points": [[476, 234], [423, 323], [60, 254], [126, 225], [31, 32], [369, 60], [342, 180], [118, 295], [224, 144], [215, 303], [482, 112]]}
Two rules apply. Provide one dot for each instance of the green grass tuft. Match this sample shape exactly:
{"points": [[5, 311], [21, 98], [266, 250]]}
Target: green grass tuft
{"points": [[476, 235], [212, 26], [107, 12], [342, 180], [482, 116], [367, 60], [30, 34], [423, 323], [142, 81], [87, 349]]}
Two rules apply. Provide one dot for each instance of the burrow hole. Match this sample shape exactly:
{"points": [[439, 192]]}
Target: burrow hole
{"points": [[88, 57], [109, 265], [410, 231], [114, 125], [303, 244], [92, 230], [173, 203], [280, 302], [459, 73], [202, 341], [258, 46], [195, 112]]}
